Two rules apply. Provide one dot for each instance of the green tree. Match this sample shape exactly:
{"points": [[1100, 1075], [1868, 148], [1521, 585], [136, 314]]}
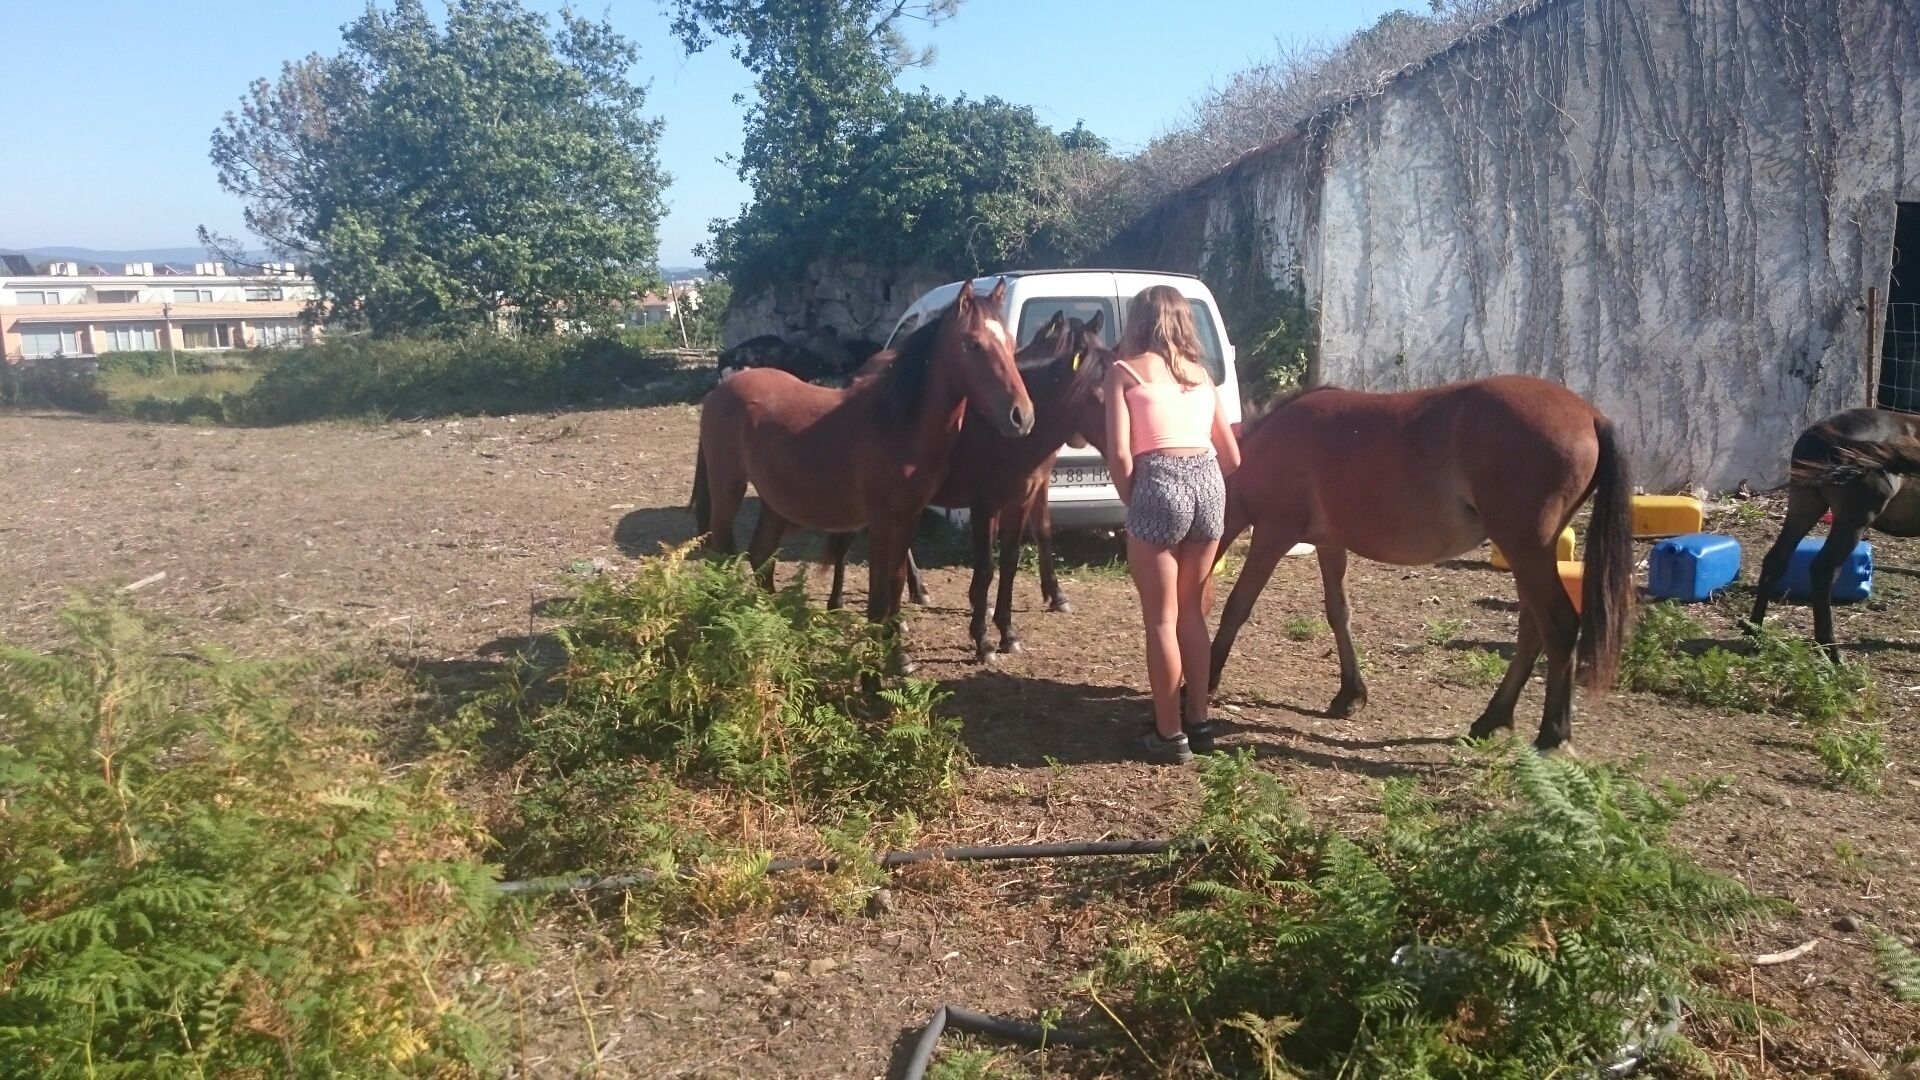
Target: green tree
{"points": [[451, 176]]}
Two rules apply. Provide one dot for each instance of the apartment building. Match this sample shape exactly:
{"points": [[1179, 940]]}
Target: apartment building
{"points": [[65, 310]]}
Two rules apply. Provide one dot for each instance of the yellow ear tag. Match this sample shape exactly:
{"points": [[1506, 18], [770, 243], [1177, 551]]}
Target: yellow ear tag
{"points": [[1076, 361]]}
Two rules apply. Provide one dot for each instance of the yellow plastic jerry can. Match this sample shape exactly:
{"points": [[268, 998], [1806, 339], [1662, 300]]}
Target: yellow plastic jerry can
{"points": [[1562, 550], [1657, 516], [1573, 578]]}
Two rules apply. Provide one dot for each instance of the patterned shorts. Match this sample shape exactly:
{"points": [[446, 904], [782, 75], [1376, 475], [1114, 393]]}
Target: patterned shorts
{"points": [[1176, 499]]}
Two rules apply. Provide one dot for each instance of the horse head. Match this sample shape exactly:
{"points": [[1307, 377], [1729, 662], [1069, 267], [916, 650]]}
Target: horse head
{"points": [[975, 345], [1088, 359]]}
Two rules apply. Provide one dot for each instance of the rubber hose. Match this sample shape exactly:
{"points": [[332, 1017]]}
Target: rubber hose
{"points": [[982, 1024], [1001, 853]]}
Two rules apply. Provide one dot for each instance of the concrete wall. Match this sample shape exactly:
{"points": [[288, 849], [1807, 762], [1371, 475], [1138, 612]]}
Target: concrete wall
{"points": [[856, 299], [1675, 207]]}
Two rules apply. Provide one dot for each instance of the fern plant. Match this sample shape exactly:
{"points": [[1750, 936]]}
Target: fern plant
{"points": [[688, 689], [198, 877], [1524, 926], [1898, 965]]}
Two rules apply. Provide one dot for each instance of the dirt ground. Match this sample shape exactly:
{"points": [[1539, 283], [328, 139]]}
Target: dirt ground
{"points": [[433, 545]]}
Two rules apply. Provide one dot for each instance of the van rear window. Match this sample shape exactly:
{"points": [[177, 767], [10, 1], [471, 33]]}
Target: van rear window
{"points": [[1209, 340], [1034, 315]]}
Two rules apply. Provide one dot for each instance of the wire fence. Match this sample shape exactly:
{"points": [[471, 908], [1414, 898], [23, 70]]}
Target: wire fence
{"points": [[1900, 359]]}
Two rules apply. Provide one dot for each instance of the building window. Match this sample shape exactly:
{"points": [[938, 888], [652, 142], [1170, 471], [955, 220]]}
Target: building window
{"points": [[117, 296], [207, 336], [275, 335], [39, 342], [193, 296], [132, 337], [265, 294], [37, 297]]}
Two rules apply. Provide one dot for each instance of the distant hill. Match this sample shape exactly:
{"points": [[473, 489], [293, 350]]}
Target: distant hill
{"points": [[682, 273]]}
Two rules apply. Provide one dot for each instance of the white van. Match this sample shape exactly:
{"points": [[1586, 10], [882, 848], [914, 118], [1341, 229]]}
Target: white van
{"points": [[1082, 496]]}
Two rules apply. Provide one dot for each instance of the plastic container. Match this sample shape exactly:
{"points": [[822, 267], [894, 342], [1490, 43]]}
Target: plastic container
{"points": [[1573, 576], [1562, 550], [1667, 515], [1852, 581], [1692, 567]]}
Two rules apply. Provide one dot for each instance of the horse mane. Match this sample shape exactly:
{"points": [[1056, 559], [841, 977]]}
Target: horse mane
{"points": [[903, 381], [1279, 403]]}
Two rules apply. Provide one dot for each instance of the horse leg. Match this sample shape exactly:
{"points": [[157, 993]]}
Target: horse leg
{"points": [[916, 589], [1013, 530], [837, 545], [1269, 545], [1499, 712], [980, 521], [1849, 525], [763, 550], [887, 543], [727, 489], [1544, 602], [1042, 518], [1804, 507], [1333, 583]]}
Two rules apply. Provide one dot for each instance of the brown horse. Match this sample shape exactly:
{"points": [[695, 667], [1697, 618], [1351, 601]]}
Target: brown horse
{"points": [[1855, 463], [1414, 478], [869, 455], [1002, 482]]}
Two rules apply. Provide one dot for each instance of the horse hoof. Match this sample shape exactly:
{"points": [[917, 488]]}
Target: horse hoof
{"points": [[1488, 726], [1345, 706], [1560, 749], [983, 653], [1012, 645], [1063, 606]]}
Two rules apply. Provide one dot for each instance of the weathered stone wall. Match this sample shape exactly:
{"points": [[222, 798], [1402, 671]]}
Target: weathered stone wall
{"points": [[856, 299], [1674, 207]]}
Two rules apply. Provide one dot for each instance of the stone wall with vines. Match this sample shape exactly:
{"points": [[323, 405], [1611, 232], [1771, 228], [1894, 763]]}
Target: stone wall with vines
{"points": [[1674, 207]]}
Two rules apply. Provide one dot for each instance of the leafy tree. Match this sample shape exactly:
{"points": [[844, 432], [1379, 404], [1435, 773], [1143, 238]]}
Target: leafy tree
{"points": [[844, 166], [496, 167]]}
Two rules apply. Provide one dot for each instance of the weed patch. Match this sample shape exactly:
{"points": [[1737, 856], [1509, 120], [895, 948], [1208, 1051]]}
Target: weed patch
{"points": [[1783, 675], [1479, 667], [695, 715], [1302, 628], [1515, 929], [199, 877], [1439, 632]]}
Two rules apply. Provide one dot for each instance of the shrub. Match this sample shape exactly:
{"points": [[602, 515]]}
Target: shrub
{"points": [[407, 377], [199, 877], [1479, 667], [688, 690], [1785, 675], [1513, 930]]}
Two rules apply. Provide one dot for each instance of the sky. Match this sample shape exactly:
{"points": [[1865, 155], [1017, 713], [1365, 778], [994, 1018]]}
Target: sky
{"points": [[113, 151]]}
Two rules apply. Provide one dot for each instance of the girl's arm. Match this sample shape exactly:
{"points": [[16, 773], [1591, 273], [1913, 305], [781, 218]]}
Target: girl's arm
{"points": [[1225, 446], [1119, 435]]}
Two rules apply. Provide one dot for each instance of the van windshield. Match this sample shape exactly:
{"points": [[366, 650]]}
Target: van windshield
{"points": [[1034, 315]]}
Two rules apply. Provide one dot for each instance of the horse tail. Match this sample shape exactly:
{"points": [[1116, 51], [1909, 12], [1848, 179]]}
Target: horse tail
{"points": [[1607, 589], [702, 498], [1850, 459]]}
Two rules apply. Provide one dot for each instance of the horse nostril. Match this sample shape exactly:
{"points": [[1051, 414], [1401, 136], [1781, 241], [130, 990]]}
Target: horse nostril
{"points": [[1022, 420]]}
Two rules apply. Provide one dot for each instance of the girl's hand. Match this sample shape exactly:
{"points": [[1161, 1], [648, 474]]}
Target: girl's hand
{"points": [[1225, 447]]}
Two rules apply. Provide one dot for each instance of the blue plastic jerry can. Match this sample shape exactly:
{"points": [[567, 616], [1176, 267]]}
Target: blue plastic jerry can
{"points": [[1692, 567], [1852, 581]]}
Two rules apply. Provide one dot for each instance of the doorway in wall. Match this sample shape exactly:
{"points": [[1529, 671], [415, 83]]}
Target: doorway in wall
{"points": [[1900, 340]]}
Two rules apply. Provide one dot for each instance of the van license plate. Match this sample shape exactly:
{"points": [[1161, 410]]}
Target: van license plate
{"points": [[1081, 476]]}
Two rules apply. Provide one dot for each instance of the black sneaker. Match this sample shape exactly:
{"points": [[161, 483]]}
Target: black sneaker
{"points": [[1200, 737], [1159, 751]]}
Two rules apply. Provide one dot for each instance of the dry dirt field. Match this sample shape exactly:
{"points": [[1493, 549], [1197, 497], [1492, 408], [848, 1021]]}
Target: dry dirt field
{"points": [[432, 545]]}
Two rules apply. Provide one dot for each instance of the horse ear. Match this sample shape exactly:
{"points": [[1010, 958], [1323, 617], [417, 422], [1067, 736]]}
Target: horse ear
{"points": [[999, 294], [964, 301], [1054, 324], [1099, 319]]}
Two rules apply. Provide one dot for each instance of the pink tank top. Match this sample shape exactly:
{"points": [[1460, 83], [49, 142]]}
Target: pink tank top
{"points": [[1168, 415]]}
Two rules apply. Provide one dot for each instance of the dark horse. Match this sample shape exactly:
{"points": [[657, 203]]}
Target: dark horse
{"points": [[1414, 478], [1002, 482], [1855, 463], [870, 455]]}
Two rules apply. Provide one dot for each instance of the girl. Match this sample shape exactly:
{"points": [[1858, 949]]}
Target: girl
{"points": [[1170, 450]]}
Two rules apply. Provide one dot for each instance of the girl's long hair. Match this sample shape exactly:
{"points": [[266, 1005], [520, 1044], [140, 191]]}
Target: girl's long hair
{"points": [[1158, 321]]}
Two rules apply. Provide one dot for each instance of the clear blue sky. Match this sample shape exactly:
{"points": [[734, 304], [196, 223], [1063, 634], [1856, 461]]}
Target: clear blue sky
{"points": [[110, 109]]}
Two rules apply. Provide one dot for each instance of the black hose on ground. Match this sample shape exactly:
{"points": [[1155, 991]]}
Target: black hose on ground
{"points": [[1001, 853], [982, 1024]]}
